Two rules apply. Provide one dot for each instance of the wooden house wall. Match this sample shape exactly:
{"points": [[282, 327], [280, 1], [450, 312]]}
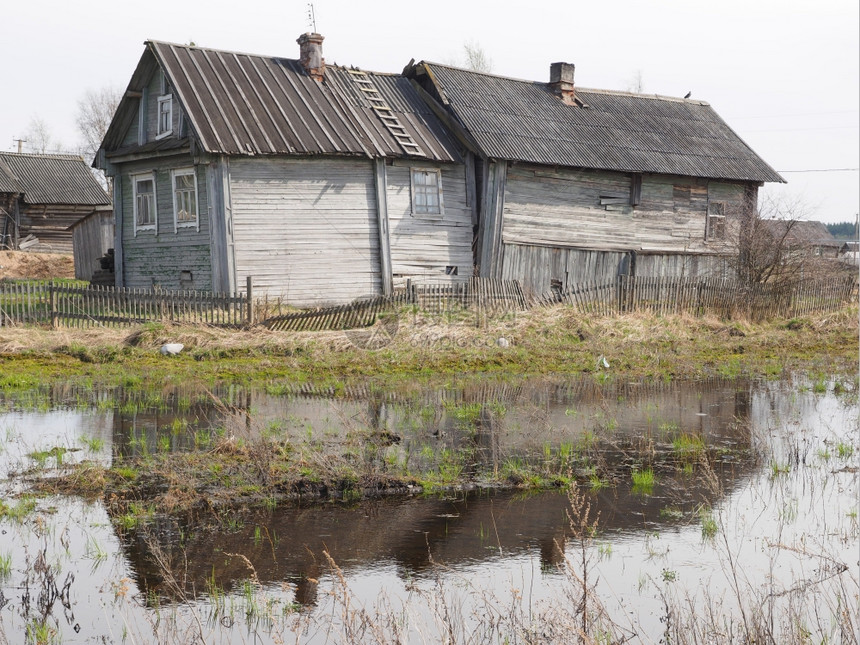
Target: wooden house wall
{"points": [[306, 229], [560, 226], [679, 265], [91, 239], [562, 207], [423, 246], [50, 223], [539, 268], [159, 257]]}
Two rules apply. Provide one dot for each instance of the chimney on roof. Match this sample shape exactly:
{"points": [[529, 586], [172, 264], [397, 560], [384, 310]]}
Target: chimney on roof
{"points": [[561, 81], [310, 55]]}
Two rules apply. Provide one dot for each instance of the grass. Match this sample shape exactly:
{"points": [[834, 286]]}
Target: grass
{"points": [[688, 447], [844, 450], [643, 480], [709, 524], [546, 340]]}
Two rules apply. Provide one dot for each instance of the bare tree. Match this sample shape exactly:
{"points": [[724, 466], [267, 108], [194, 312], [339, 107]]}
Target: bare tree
{"points": [[636, 83], [476, 58], [95, 112], [779, 244], [39, 137]]}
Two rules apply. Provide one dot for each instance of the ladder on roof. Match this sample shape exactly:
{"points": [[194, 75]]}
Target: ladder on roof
{"points": [[385, 113]]}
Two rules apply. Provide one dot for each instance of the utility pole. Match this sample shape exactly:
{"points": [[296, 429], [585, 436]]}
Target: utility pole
{"points": [[21, 143]]}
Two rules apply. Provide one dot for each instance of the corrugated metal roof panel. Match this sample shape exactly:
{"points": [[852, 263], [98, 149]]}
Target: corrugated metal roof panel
{"points": [[50, 179], [524, 121], [259, 105]]}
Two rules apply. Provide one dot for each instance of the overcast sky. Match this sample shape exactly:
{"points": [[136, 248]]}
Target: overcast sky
{"points": [[784, 74]]}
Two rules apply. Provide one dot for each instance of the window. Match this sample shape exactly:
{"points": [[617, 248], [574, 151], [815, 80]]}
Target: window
{"points": [[426, 192], [185, 199], [143, 187], [165, 116], [716, 225]]}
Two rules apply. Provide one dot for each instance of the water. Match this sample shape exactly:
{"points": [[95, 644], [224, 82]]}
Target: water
{"points": [[768, 528]]}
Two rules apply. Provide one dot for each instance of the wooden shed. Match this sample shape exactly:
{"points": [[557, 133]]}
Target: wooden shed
{"points": [[42, 196], [92, 236], [578, 184], [322, 183]]}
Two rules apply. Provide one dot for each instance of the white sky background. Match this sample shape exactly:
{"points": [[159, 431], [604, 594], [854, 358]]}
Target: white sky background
{"points": [[784, 74]]}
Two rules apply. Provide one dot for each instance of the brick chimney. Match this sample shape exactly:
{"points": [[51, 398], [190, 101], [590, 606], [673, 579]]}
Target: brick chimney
{"points": [[561, 81], [310, 55]]}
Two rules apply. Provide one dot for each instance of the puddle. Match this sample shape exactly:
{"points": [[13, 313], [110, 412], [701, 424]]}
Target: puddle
{"points": [[772, 514]]}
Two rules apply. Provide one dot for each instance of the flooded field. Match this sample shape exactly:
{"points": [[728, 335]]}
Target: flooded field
{"points": [[713, 511]]}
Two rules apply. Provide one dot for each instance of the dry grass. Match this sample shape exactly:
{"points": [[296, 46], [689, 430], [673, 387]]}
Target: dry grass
{"points": [[21, 264], [546, 340]]}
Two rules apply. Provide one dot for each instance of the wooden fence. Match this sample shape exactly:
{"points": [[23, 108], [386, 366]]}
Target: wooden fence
{"points": [[698, 296], [67, 305], [483, 294], [87, 306]]}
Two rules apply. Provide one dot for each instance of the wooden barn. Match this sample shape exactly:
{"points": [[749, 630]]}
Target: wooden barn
{"points": [[42, 196], [578, 184], [322, 183]]}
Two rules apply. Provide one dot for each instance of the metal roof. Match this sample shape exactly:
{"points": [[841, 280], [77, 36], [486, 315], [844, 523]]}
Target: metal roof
{"points": [[50, 179], [525, 121], [244, 104], [800, 232]]}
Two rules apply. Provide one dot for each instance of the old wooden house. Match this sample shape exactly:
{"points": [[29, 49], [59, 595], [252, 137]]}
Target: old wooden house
{"points": [[41, 196], [577, 184], [322, 183]]}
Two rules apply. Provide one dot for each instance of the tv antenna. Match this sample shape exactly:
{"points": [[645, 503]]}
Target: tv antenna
{"points": [[312, 19]]}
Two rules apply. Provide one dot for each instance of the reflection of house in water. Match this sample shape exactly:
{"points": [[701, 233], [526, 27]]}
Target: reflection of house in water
{"points": [[629, 424]]}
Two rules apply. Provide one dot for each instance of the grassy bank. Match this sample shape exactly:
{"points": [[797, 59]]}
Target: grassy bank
{"points": [[542, 341]]}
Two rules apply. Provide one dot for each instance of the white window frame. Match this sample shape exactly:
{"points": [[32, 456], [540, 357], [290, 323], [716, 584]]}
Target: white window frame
{"points": [[195, 224], [423, 210], [716, 221], [135, 179], [160, 133]]}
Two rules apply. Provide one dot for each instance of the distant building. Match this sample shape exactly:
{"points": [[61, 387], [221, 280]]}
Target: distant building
{"points": [[42, 196], [811, 238]]}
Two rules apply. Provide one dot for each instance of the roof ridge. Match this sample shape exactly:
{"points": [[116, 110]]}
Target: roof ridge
{"points": [[660, 97], [45, 155], [151, 41]]}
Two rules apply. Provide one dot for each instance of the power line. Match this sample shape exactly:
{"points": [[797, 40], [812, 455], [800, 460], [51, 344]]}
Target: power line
{"points": [[823, 170]]}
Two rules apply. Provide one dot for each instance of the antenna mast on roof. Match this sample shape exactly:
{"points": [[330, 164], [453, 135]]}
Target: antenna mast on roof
{"points": [[312, 19]]}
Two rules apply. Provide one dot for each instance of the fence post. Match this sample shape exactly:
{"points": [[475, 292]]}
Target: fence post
{"points": [[55, 319], [250, 295]]}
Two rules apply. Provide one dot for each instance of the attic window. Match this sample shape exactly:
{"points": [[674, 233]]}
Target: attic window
{"points": [[716, 226], [426, 192], [165, 116]]}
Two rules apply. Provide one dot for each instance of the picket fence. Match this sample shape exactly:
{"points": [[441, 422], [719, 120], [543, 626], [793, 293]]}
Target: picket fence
{"points": [[62, 304]]}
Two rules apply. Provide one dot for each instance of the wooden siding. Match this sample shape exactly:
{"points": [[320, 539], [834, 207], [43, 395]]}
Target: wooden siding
{"points": [[683, 266], [50, 224], [306, 229], [561, 207], [561, 226], [423, 246], [92, 237], [539, 268], [159, 257]]}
